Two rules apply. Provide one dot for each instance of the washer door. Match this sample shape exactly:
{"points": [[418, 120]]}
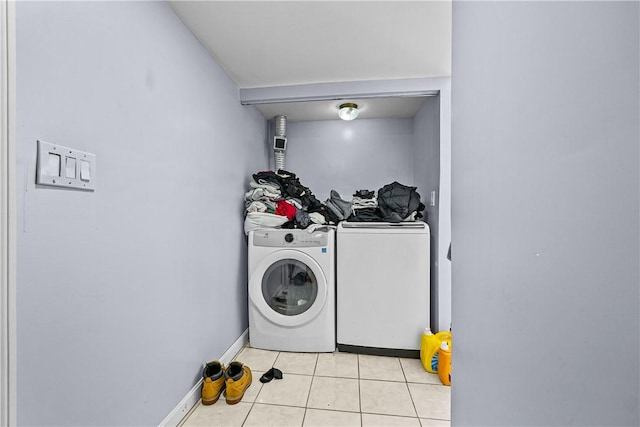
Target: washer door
{"points": [[288, 288]]}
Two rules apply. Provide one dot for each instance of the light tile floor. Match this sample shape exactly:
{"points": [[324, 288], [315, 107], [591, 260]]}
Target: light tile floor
{"points": [[332, 389]]}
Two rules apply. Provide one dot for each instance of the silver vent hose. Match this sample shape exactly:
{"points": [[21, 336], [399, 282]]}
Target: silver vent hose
{"points": [[281, 131], [281, 125], [279, 156]]}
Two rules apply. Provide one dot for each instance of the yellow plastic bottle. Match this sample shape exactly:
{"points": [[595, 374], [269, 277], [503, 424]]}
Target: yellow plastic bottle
{"points": [[444, 336], [444, 363], [429, 345]]}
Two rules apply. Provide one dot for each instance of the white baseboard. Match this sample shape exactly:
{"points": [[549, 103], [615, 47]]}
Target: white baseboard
{"points": [[183, 408], [192, 398], [235, 348]]}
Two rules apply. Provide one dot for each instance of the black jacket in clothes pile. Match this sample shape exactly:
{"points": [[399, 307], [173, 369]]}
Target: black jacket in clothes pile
{"points": [[397, 202]]}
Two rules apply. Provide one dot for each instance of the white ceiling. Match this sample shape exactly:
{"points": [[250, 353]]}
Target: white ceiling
{"points": [[282, 43]]}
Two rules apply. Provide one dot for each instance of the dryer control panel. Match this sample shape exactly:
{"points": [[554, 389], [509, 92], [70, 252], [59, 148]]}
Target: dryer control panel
{"points": [[290, 238]]}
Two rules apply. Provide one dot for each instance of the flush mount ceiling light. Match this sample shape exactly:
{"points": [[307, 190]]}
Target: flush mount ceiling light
{"points": [[348, 111]]}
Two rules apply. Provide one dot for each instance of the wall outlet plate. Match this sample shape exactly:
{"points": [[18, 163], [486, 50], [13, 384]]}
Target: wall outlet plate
{"points": [[61, 166]]}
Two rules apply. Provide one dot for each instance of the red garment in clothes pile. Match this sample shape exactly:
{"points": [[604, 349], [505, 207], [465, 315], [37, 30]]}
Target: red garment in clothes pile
{"points": [[286, 209]]}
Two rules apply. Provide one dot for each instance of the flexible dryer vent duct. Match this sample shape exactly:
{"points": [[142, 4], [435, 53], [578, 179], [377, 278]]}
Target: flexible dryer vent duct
{"points": [[280, 141]]}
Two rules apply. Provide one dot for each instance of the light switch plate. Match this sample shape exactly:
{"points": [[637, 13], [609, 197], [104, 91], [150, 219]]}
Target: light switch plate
{"points": [[60, 174]]}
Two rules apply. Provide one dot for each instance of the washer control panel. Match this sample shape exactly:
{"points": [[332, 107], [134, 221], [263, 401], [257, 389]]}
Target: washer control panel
{"points": [[290, 238]]}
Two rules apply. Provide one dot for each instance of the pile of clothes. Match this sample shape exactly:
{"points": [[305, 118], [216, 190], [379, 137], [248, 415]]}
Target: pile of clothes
{"points": [[392, 203], [280, 200]]}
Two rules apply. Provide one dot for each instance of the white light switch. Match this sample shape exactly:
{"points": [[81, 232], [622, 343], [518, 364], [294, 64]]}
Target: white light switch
{"points": [[85, 170], [70, 167], [53, 165], [60, 166]]}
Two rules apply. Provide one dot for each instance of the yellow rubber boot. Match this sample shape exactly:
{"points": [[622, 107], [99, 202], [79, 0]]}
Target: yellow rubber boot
{"points": [[238, 380], [213, 383]]}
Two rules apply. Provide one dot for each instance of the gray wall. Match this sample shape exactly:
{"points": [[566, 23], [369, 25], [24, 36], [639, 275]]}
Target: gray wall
{"points": [[545, 213], [349, 156], [426, 166], [123, 293]]}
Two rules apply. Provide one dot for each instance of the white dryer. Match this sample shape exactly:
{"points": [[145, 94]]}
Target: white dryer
{"points": [[292, 290]]}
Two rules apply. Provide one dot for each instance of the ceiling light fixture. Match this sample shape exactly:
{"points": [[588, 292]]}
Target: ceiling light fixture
{"points": [[348, 111]]}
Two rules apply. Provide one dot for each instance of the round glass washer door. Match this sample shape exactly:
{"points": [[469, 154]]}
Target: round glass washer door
{"points": [[288, 288]]}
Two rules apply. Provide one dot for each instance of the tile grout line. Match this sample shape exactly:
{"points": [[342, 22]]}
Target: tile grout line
{"points": [[319, 409], [313, 376], [406, 384], [253, 404], [404, 374], [315, 365], [434, 419]]}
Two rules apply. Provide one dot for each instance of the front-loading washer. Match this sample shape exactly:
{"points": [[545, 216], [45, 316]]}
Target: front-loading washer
{"points": [[292, 290]]}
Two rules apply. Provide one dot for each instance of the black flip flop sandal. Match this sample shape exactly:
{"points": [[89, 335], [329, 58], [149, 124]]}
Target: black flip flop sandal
{"points": [[271, 374]]}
